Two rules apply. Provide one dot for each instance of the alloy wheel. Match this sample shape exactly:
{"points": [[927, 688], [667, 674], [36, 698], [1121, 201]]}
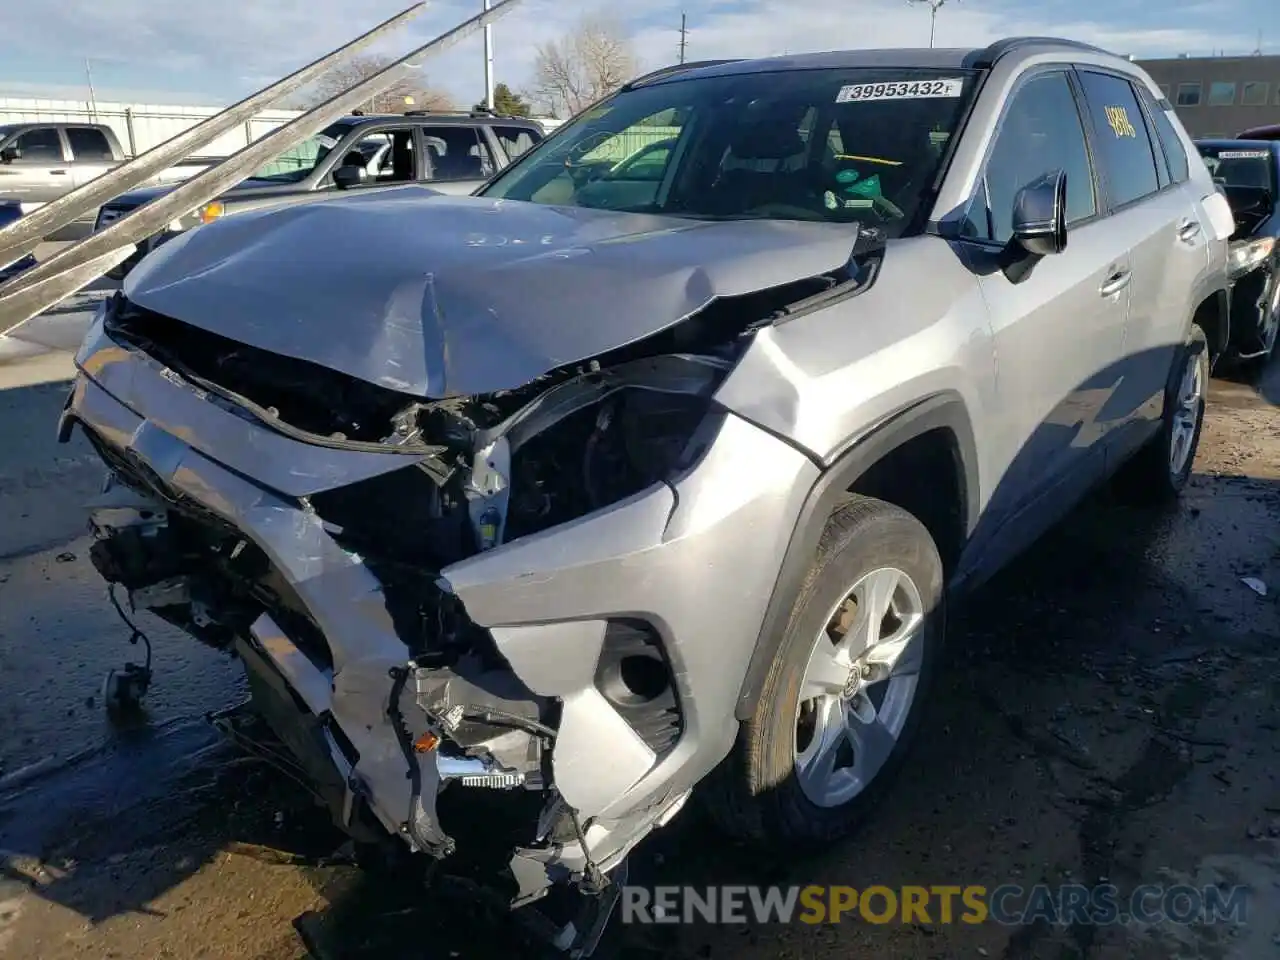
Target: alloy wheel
{"points": [[1271, 323], [1186, 414], [859, 687]]}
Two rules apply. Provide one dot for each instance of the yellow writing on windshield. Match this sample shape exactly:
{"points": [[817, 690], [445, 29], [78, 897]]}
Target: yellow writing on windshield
{"points": [[1118, 117], [854, 156]]}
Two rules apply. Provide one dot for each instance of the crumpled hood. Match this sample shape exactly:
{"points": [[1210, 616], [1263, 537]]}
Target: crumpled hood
{"points": [[443, 296]]}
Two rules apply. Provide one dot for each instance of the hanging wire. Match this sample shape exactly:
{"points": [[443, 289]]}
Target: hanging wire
{"points": [[134, 633]]}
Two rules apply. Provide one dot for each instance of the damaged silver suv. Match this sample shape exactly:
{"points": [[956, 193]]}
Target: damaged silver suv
{"points": [[652, 465]]}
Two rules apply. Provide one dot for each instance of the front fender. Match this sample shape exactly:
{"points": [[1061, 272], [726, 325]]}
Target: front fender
{"points": [[945, 411]]}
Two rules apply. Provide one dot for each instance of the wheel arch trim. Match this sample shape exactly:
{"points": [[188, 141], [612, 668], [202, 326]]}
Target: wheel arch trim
{"points": [[944, 410]]}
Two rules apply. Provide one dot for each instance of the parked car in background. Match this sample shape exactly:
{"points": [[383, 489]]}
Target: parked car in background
{"points": [[1248, 172], [451, 153], [1269, 132], [39, 162], [11, 210]]}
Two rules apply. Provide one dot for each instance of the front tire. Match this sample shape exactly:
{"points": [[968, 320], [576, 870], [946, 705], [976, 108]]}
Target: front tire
{"points": [[1159, 471], [843, 698]]}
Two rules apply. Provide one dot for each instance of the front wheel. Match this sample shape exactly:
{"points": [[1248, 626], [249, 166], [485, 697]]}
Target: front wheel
{"points": [[842, 700], [1160, 470]]}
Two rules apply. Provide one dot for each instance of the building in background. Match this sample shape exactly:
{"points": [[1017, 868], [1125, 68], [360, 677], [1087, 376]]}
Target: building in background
{"points": [[1220, 96]]}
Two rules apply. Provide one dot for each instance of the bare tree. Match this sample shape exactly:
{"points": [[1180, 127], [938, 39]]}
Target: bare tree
{"points": [[591, 61], [412, 93]]}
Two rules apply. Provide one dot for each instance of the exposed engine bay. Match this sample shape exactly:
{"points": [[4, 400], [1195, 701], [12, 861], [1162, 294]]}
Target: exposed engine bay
{"points": [[378, 737]]}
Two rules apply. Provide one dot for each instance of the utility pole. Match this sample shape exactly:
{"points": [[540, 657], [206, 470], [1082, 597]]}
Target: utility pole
{"points": [[488, 61], [683, 35], [93, 98]]}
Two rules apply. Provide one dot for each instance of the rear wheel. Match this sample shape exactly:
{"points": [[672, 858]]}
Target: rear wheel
{"points": [[843, 698], [1160, 470]]}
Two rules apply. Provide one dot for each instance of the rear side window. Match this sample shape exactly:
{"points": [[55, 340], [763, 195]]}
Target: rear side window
{"points": [[457, 153], [1125, 153], [88, 144], [1175, 153], [516, 140], [1039, 133]]}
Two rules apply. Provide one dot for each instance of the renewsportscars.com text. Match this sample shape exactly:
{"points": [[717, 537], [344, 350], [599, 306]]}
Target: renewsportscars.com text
{"points": [[1008, 904]]}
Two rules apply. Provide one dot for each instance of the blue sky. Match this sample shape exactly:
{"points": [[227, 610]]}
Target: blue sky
{"points": [[170, 51]]}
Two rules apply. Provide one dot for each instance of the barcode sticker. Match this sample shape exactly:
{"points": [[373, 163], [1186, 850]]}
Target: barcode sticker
{"points": [[1243, 155], [901, 90]]}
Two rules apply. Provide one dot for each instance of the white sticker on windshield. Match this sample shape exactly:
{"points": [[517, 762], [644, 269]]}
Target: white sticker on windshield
{"points": [[1243, 155], [901, 90]]}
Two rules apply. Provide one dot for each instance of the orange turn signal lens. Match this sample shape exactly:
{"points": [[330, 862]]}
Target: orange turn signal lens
{"points": [[426, 743]]}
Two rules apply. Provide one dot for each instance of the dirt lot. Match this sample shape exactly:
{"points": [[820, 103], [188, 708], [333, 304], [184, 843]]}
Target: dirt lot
{"points": [[1109, 714]]}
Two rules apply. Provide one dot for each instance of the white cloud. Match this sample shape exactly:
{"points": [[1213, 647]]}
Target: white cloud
{"points": [[234, 46]]}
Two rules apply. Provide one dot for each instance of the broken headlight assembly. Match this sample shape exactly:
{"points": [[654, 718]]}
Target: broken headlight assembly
{"points": [[523, 461], [600, 454], [1244, 256]]}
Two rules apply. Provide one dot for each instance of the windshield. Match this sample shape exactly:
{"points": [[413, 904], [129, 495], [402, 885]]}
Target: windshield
{"points": [[294, 165], [831, 145], [1235, 166]]}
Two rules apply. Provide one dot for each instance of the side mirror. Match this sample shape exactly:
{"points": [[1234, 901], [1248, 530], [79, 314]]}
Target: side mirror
{"points": [[11, 153], [347, 177], [1040, 215]]}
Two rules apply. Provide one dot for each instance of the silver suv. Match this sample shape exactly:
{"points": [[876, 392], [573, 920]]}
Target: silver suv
{"points": [[654, 465]]}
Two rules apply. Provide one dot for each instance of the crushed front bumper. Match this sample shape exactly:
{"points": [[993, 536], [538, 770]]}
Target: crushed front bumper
{"points": [[694, 560]]}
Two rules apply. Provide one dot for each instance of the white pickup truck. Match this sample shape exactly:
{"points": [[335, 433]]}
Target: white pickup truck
{"points": [[39, 162]]}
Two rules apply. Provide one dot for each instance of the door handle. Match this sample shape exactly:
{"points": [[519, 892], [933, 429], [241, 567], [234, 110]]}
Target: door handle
{"points": [[1115, 283], [57, 173], [1188, 230]]}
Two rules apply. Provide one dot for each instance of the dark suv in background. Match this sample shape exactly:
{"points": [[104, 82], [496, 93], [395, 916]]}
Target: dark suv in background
{"points": [[11, 210], [451, 153]]}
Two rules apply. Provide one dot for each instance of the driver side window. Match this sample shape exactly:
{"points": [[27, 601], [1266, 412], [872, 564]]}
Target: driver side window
{"points": [[1040, 132]]}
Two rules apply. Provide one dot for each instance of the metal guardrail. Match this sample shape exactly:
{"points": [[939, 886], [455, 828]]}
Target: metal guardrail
{"points": [[69, 270]]}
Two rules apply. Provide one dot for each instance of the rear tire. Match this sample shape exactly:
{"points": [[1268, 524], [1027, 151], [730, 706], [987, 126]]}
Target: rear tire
{"points": [[872, 608], [1159, 471]]}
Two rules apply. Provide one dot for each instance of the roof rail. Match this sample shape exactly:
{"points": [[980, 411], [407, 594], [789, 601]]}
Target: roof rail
{"points": [[986, 58], [474, 113], [674, 69]]}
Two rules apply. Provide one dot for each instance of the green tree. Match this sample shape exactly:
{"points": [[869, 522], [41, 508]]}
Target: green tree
{"points": [[507, 101]]}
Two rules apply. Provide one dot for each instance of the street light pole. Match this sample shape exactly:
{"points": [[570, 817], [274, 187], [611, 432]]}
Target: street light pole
{"points": [[488, 61], [934, 6]]}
